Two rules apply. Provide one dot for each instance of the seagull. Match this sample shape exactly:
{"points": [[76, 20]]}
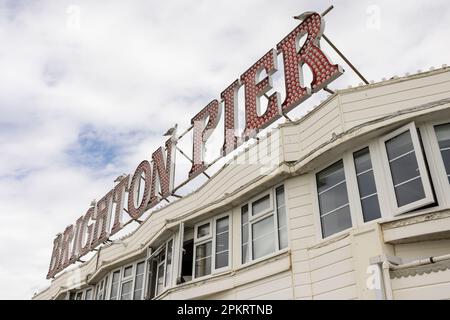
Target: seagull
{"points": [[303, 16], [119, 178], [171, 131]]}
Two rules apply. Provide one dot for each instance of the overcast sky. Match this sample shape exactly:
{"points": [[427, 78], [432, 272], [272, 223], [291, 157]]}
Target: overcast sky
{"points": [[87, 88]]}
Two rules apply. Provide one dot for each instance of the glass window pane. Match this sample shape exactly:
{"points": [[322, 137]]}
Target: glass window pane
{"points": [[222, 260], [263, 241], [160, 279], [371, 208], [362, 160], [88, 295], [261, 205], [203, 259], [263, 246], [140, 268], [222, 245], [334, 198], [330, 176], [263, 227], [222, 225], [138, 286], [245, 252], [244, 233], [281, 216], [79, 295], [366, 185], [443, 136], [409, 192], [115, 285], [203, 230], [169, 263], [139, 281], [404, 169], [126, 290], [283, 238], [128, 271], [222, 242], [399, 145], [336, 222]]}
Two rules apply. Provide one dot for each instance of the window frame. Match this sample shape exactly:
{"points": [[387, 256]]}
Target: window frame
{"points": [[418, 151], [436, 163], [350, 195], [353, 186], [253, 219], [119, 283], [105, 288], [127, 279], [152, 255], [212, 238]]}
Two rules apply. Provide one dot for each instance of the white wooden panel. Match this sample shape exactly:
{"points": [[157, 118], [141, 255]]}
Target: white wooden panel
{"points": [[332, 270]]}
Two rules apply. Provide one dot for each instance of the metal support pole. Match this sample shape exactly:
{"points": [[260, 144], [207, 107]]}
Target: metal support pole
{"points": [[187, 157], [345, 59]]}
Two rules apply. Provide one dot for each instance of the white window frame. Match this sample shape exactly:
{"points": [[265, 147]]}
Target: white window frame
{"points": [[351, 195], [428, 199], [85, 292], [353, 186], [436, 163], [252, 219], [104, 291], [111, 283], [212, 238], [124, 279], [153, 254], [210, 231]]}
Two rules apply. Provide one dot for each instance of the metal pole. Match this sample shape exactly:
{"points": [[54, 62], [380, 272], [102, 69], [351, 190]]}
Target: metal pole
{"points": [[345, 59], [181, 151], [328, 10]]}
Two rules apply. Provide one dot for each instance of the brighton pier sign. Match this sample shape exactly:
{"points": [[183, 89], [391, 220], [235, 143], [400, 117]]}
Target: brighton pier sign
{"points": [[104, 218]]}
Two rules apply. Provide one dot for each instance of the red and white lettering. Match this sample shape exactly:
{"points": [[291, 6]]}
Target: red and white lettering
{"points": [[119, 199], [135, 209], [202, 131], [230, 100], [310, 53], [254, 90], [163, 171], [56, 254], [102, 219]]}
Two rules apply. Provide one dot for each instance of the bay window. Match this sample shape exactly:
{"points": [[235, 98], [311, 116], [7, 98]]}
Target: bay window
{"points": [[211, 246], [263, 226], [334, 206], [408, 180]]}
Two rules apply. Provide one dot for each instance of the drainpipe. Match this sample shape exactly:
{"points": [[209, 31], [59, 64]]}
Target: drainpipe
{"points": [[422, 262], [387, 288], [384, 264]]}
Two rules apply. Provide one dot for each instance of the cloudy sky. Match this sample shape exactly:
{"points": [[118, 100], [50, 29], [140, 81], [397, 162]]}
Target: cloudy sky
{"points": [[87, 88]]}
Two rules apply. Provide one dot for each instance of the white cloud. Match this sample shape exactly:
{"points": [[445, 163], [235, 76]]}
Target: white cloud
{"points": [[80, 104]]}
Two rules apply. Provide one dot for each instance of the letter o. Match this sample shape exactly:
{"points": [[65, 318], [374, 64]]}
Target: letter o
{"points": [[133, 196]]}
